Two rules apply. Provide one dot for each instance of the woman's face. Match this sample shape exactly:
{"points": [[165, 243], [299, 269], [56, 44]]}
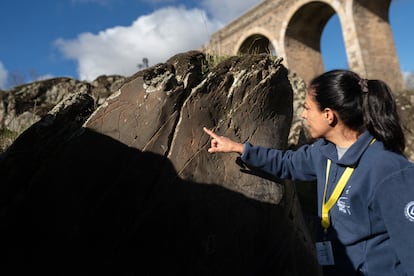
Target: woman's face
{"points": [[315, 120]]}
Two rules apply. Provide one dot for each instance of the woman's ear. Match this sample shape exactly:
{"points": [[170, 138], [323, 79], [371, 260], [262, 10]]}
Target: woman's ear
{"points": [[330, 116]]}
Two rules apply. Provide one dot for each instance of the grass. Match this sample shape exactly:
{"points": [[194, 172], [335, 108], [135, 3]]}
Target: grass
{"points": [[7, 137]]}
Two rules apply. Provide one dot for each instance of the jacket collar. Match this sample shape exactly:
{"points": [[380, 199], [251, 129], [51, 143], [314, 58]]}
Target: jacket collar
{"points": [[352, 155]]}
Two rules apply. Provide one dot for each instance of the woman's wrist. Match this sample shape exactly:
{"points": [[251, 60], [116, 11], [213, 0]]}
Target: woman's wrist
{"points": [[239, 148]]}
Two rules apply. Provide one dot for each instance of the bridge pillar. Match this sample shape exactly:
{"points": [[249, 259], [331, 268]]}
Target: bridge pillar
{"points": [[302, 37], [370, 44]]}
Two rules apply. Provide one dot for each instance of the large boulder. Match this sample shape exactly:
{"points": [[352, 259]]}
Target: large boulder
{"points": [[248, 98], [132, 186]]}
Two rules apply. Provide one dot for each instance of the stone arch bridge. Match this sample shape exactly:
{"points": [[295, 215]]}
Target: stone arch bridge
{"points": [[293, 29]]}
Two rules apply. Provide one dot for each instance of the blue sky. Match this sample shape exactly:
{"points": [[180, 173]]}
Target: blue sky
{"points": [[86, 38]]}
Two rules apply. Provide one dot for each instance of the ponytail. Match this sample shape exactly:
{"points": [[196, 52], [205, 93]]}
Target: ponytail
{"points": [[361, 104], [381, 115]]}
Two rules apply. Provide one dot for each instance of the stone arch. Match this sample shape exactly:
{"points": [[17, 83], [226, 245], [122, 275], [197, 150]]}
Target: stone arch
{"points": [[302, 35], [256, 39], [256, 44]]}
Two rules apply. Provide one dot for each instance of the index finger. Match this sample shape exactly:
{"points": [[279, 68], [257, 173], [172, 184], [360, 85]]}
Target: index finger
{"points": [[211, 133]]}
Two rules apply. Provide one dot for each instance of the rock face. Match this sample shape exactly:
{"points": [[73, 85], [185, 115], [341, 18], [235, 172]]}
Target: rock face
{"points": [[134, 187], [24, 105], [405, 102], [245, 99]]}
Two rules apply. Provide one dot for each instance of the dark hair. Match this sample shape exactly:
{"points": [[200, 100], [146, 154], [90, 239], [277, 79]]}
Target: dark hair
{"points": [[361, 104]]}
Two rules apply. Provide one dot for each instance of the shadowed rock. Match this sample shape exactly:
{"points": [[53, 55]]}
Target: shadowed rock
{"points": [[135, 188]]}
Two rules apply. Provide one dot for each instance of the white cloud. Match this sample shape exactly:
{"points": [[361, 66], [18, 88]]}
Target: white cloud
{"points": [[3, 76], [156, 36], [227, 10]]}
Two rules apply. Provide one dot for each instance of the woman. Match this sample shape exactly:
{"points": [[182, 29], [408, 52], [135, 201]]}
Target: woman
{"points": [[365, 184]]}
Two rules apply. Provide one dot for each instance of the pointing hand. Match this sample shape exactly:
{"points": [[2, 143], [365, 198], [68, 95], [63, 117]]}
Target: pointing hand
{"points": [[222, 144]]}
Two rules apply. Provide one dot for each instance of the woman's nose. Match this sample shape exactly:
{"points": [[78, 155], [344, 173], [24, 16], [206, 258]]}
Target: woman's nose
{"points": [[303, 114]]}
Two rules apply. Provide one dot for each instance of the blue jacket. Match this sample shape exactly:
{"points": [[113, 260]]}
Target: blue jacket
{"points": [[373, 220]]}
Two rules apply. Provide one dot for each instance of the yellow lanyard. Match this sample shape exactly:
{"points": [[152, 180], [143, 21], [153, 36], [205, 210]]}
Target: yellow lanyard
{"points": [[327, 205]]}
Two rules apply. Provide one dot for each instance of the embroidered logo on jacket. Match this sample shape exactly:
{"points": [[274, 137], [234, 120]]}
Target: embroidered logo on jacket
{"points": [[409, 211], [343, 202], [343, 205]]}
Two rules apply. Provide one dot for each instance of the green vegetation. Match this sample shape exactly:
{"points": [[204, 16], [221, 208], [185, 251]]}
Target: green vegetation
{"points": [[212, 60], [7, 137]]}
